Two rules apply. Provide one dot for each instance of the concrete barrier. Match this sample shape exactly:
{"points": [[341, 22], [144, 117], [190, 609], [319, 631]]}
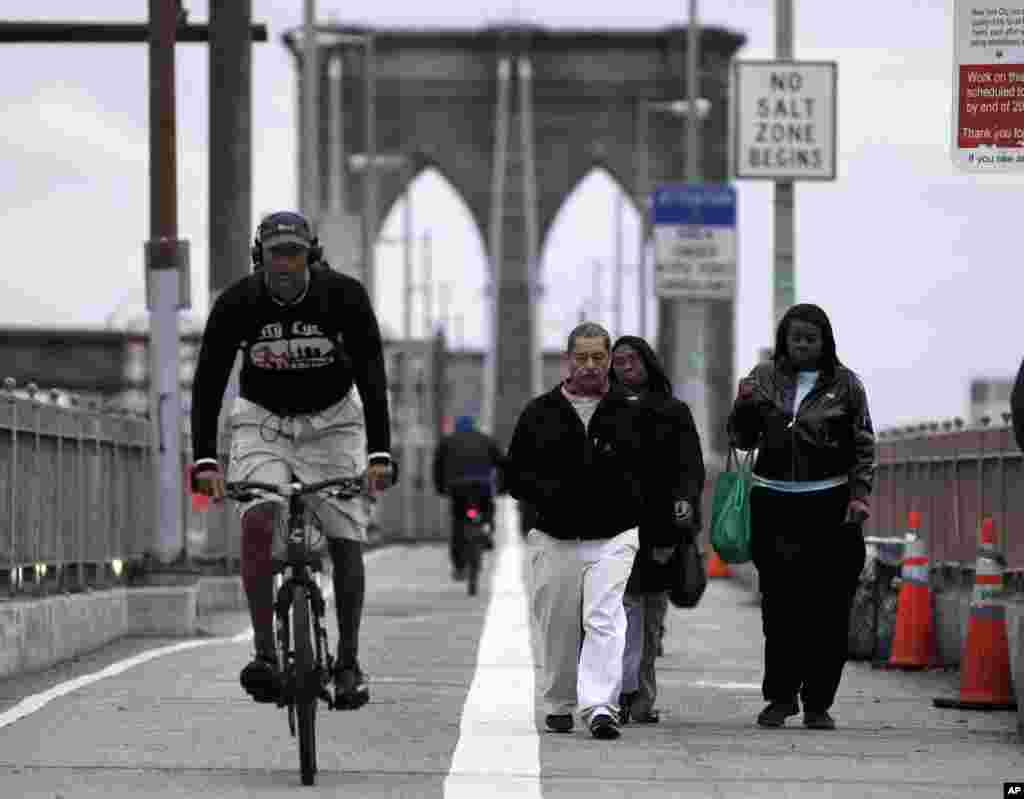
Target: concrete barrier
{"points": [[36, 634]]}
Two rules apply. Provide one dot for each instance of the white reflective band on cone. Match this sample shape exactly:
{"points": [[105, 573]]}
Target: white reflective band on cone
{"points": [[915, 563]]}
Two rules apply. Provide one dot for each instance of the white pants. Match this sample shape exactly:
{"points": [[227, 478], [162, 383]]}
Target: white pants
{"points": [[577, 589]]}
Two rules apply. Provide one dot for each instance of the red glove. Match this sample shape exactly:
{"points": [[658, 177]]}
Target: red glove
{"points": [[857, 511]]}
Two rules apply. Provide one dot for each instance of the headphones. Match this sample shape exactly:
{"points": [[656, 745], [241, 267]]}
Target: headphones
{"points": [[287, 219]]}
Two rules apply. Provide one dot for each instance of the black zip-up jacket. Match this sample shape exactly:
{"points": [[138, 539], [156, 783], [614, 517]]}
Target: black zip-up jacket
{"points": [[585, 484], [831, 434], [679, 444]]}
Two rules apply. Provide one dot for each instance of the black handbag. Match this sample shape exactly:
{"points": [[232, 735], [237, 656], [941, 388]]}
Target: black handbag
{"points": [[688, 576]]}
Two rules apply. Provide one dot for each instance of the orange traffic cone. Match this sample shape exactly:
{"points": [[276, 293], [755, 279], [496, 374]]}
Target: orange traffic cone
{"points": [[716, 567], [985, 661], [913, 645]]}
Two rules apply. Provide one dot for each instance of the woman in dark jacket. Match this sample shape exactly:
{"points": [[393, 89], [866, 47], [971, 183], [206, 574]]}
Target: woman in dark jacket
{"points": [[807, 415], [636, 367]]}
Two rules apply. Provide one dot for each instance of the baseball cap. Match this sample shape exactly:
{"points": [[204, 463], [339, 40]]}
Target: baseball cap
{"points": [[285, 228]]}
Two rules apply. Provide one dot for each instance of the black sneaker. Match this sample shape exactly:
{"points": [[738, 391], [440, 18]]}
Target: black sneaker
{"points": [[647, 717], [776, 713], [261, 678], [350, 689], [818, 720], [604, 727], [558, 722], [626, 706]]}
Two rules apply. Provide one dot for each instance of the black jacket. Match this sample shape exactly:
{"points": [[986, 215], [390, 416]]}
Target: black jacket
{"points": [[830, 436], [679, 447], [467, 456], [585, 484]]}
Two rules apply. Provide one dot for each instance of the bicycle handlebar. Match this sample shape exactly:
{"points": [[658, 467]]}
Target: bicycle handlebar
{"points": [[243, 489]]}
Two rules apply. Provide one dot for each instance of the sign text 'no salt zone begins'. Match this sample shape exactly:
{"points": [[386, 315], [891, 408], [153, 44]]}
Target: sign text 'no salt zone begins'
{"points": [[785, 120]]}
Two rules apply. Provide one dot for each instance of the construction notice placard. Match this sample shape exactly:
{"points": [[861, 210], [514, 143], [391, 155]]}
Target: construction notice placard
{"points": [[784, 127], [988, 86]]}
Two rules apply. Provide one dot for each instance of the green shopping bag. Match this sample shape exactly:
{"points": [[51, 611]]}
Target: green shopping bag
{"points": [[730, 509]]}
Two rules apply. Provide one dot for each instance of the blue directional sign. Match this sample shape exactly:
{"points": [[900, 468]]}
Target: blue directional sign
{"points": [[694, 240]]}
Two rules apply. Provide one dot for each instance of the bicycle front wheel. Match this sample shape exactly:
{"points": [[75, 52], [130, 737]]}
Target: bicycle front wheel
{"points": [[307, 687]]}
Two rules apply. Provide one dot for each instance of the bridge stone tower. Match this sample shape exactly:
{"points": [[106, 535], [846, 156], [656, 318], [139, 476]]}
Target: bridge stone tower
{"points": [[515, 117]]}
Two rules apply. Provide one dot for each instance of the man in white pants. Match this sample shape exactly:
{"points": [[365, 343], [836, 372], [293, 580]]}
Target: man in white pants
{"points": [[577, 456]]}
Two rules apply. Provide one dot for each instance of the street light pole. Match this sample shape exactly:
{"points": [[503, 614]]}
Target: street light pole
{"points": [[682, 321], [370, 176], [166, 265], [785, 190], [310, 191]]}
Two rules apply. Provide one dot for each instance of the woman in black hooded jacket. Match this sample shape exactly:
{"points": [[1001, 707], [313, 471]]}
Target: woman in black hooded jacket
{"points": [[636, 367], [807, 416]]}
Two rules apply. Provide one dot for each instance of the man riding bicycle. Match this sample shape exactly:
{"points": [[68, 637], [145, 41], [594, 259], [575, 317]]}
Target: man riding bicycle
{"points": [[467, 468], [312, 405]]}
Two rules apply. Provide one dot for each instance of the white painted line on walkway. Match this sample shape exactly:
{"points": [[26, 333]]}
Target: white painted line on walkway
{"points": [[498, 753], [34, 702], [728, 686]]}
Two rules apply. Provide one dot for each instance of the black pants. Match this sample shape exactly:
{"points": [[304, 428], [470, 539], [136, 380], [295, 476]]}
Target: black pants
{"points": [[808, 562], [483, 498]]}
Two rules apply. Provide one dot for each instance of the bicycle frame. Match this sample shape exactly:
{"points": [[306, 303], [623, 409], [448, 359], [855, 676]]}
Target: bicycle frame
{"points": [[298, 569], [307, 667]]}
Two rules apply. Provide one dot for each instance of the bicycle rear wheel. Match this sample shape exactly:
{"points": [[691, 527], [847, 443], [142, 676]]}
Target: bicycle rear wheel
{"points": [[307, 687], [474, 553]]}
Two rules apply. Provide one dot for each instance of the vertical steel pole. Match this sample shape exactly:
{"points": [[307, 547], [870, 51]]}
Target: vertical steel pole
{"points": [[370, 173], [166, 260], [617, 285], [785, 190], [9, 386], [336, 135], [310, 118], [643, 193], [230, 174], [428, 288], [497, 220], [530, 212], [408, 410]]}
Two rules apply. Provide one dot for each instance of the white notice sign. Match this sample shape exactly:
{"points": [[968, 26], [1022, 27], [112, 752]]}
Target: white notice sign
{"points": [[784, 124], [988, 85]]}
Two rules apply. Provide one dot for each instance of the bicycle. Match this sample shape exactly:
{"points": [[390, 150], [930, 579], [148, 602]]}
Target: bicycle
{"points": [[476, 535], [303, 657]]}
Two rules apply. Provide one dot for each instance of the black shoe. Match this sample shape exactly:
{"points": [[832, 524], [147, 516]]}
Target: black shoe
{"points": [[350, 689], [558, 722], [261, 678], [650, 717], [604, 728], [818, 720], [776, 713], [626, 706]]}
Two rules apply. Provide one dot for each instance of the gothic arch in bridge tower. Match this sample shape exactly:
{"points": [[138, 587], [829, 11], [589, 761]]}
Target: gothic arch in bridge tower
{"points": [[514, 117]]}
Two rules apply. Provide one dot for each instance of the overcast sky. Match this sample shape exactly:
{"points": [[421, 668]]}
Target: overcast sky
{"points": [[915, 263]]}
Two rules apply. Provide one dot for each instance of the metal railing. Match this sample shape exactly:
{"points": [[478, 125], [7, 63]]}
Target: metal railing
{"points": [[76, 491]]}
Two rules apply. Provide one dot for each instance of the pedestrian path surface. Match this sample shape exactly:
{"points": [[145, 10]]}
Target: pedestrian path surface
{"points": [[452, 714]]}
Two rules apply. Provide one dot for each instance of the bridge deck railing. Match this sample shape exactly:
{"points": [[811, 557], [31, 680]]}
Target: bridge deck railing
{"points": [[77, 494]]}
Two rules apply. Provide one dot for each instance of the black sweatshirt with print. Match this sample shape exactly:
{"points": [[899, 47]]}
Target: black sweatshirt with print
{"points": [[297, 358]]}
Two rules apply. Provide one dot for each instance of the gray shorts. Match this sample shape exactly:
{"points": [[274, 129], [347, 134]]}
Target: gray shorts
{"points": [[332, 443]]}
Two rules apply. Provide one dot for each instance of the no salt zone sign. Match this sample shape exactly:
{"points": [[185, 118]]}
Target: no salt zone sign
{"points": [[784, 126]]}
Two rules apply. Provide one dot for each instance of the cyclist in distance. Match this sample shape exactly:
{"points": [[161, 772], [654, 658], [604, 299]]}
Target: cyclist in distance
{"points": [[467, 468], [312, 406]]}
